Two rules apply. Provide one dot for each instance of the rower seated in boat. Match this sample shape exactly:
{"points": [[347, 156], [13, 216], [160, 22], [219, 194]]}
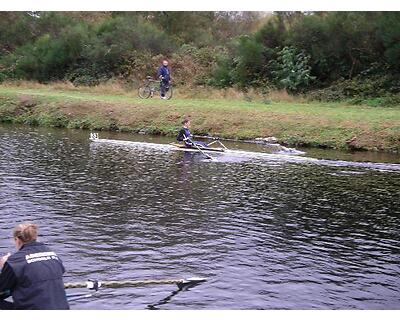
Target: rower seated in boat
{"points": [[185, 136], [32, 275]]}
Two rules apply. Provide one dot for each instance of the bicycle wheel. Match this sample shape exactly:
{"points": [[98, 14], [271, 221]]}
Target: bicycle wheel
{"points": [[168, 93], [144, 92]]}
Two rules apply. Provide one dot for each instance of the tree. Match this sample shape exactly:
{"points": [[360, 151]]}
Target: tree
{"points": [[388, 32]]}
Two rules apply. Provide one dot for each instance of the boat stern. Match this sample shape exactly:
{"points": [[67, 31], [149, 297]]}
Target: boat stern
{"points": [[94, 136]]}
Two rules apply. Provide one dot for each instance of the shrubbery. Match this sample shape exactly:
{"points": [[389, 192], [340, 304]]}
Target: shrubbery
{"points": [[90, 48], [333, 55], [292, 70], [379, 90]]}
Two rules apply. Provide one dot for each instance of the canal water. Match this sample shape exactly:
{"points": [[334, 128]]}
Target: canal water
{"points": [[267, 231]]}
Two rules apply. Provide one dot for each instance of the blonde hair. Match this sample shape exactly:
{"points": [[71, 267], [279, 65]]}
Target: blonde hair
{"points": [[26, 232]]}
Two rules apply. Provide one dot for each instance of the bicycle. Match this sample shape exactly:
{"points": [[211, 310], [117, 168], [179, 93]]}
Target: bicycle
{"points": [[151, 86]]}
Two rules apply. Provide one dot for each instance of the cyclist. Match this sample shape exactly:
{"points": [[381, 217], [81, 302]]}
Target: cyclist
{"points": [[164, 74]]}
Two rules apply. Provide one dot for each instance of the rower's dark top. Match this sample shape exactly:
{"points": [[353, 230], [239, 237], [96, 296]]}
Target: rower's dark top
{"points": [[34, 277], [183, 134]]}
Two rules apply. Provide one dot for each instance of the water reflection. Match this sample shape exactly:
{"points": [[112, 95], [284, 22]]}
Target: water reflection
{"points": [[268, 235]]}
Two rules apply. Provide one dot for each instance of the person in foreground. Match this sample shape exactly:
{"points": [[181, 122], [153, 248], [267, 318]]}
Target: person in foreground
{"points": [[32, 275], [164, 75], [185, 136]]}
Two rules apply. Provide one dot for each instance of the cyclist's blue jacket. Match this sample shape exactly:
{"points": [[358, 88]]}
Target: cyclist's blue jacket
{"points": [[33, 276], [164, 72]]}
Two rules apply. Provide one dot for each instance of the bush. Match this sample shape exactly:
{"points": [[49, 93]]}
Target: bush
{"points": [[49, 58], [373, 90], [3, 77], [291, 70], [222, 76], [384, 101], [245, 66], [192, 65], [249, 61]]}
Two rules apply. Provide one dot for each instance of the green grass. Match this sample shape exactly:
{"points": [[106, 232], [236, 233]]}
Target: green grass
{"points": [[329, 125]]}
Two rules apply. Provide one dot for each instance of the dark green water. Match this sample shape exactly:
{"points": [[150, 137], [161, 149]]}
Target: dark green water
{"points": [[269, 231]]}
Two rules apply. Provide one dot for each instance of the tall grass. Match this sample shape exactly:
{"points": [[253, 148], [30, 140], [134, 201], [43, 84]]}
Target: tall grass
{"points": [[115, 87]]}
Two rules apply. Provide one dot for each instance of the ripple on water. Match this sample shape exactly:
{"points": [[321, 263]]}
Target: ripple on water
{"points": [[268, 234]]}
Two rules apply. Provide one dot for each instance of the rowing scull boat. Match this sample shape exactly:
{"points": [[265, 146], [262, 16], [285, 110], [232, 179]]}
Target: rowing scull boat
{"points": [[94, 137], [181, 147]]}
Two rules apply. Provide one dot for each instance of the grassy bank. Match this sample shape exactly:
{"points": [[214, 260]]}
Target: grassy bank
{"points": [[329, 125]]}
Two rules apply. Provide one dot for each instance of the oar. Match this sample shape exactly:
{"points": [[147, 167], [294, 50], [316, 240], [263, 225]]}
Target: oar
{"points": [[165, 300], [198, 148], [80, 295], [70, 296], [95, 285]]}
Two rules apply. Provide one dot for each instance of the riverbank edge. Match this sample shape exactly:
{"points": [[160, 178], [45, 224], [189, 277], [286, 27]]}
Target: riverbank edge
{"points": [[153, 118]]}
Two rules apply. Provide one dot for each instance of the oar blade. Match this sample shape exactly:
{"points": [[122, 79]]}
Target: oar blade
{"points": [[190, 282]]}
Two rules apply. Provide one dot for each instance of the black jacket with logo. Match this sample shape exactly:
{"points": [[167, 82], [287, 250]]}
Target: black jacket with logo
{"points": [[33, 276]]}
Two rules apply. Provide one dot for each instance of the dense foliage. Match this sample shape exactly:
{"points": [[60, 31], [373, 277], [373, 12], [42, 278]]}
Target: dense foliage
{"points": [[303, 51], [335, 55], [87, 48]]}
